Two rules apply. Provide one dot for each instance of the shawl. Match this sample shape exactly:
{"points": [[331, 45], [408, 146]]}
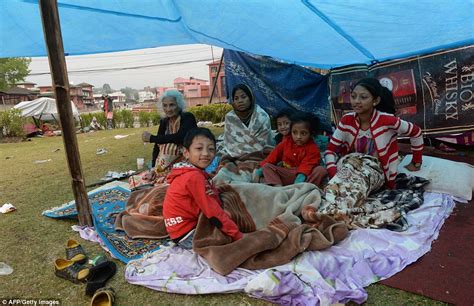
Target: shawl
{"points": [[240, 139]]}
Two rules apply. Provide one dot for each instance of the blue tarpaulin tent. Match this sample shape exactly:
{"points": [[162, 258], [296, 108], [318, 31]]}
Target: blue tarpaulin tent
{"points": [[277, 85], [319, 33]]}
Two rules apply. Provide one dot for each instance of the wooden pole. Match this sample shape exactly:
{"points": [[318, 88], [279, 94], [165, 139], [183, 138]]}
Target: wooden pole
{"points": [[217, 77], [57, 64]]}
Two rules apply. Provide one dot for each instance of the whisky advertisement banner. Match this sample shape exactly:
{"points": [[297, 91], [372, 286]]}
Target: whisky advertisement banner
{"points": [[435, 91]]}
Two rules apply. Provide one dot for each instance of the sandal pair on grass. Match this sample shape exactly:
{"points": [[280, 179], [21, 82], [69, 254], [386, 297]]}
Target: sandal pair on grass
{"points": [[72, 267], [96, 275]]}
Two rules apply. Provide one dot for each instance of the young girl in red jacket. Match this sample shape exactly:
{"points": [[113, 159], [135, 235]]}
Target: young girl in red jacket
{"points": [[295, 159], [373, 129], [191, 192]]}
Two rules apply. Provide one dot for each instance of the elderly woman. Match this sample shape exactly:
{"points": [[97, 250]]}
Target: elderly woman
{"points": [[247, 127], [173, 127]]}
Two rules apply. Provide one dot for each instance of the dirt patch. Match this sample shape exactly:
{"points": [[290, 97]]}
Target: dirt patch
{"points": [[11, 139]]}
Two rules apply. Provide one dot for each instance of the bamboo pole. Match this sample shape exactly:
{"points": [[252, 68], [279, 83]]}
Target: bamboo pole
{"points": [[57, 64]]}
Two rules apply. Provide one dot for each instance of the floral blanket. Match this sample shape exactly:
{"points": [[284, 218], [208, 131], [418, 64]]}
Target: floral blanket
{"points": [[349, 195]]}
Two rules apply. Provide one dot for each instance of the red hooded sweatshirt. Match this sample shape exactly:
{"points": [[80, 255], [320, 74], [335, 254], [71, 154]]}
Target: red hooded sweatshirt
{"points": [[189, 194]]}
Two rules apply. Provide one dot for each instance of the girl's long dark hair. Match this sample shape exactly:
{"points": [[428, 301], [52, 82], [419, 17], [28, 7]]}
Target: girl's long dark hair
{"points": [[387, 103]]}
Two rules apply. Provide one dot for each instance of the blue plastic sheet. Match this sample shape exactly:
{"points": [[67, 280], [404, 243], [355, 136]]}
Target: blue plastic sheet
{"points": [[277, 85], [318, 33]]}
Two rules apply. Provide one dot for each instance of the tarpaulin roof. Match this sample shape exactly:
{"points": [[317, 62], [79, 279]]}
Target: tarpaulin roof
{"points": [[320, 33], [43, 108]]}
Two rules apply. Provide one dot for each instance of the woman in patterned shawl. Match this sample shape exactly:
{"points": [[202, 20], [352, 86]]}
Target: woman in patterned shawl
{"points": [[247, 127]]}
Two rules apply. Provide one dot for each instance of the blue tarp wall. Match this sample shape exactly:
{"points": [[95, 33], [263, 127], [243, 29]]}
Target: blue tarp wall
{"points": [[277, 85], [317, 33]]}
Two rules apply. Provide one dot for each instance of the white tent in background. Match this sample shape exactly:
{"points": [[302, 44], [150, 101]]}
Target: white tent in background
{"points": [[43, 109]]}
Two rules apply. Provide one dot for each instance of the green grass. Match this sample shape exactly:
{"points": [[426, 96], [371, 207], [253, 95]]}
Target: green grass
{"points": [[30, 243]]}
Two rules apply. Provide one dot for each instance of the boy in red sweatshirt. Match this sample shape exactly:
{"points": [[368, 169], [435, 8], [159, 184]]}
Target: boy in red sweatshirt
{"points": [[191, 192], [295, 159]]}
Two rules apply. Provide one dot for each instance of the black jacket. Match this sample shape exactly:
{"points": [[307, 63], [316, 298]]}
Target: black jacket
{"points": [[188, 121]]}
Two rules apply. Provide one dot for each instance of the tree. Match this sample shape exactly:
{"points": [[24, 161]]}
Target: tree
{"points": [[130, 93], [13, 70], [106, 89]]}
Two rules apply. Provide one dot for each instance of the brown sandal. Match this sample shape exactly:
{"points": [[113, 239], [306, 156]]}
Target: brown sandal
{"points": [[103, 297], [75, 252], [70, 270]]}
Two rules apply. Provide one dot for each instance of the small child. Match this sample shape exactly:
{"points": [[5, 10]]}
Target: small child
{"points": [[299, 155], [283, 125], [191, 192]]}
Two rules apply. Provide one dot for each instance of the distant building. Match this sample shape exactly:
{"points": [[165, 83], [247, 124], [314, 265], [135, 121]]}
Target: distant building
{"points": [[192, 87], [98, 99], [147, 95], [118, 98], [81, 94], [160, 91], [87, 94], [27, 85], [220, 91], [16, 95]]}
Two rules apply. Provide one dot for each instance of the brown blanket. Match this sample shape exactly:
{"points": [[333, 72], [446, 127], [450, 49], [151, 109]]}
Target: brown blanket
{"points": [[275, 244], [143, 214], [268, 215]]}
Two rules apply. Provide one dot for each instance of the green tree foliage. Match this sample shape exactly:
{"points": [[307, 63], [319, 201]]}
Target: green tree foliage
{"points": [[13, 70], [127, 117], [144, 118], [11, 123], [155, 118], [106, 89], [130, 93]]}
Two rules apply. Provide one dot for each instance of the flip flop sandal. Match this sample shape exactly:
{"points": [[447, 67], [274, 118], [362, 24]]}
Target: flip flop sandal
{"points": [[75, 252], [103, 297], [70, 270], [99, 275]]}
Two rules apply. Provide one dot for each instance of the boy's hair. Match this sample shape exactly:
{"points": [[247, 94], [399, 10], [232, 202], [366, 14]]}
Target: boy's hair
{"points": [[197, 131], [311, 121], [284, 113]]}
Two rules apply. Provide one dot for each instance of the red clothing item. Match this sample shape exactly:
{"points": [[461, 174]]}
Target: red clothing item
{"points": [[189, 194], [304, 158]]}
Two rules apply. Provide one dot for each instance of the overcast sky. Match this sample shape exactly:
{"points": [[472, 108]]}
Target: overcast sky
{"points": [[122, 69]]}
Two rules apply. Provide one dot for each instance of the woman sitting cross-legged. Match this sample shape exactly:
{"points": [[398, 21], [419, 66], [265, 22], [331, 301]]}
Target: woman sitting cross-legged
{"points": [[372, 129], [295, 159]]}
